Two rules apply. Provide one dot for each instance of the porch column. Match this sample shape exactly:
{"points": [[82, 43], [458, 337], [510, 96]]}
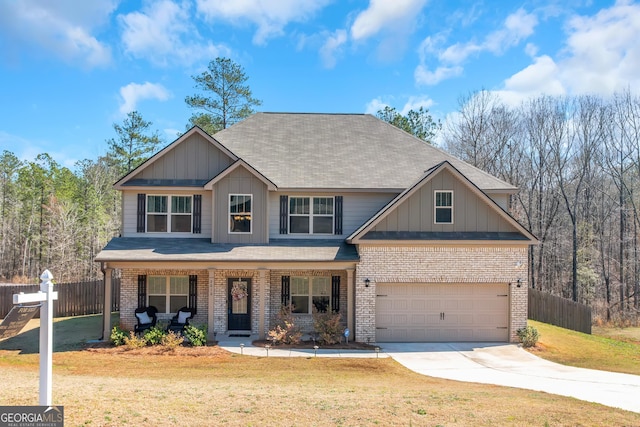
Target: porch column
{"points": [[262, 292], [210, 305], [351, 309], [106, 308]]}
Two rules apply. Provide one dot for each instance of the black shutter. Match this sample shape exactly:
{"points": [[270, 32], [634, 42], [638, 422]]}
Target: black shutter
{"points": [[193, 291], [286, 289], [284, 214], [337, 229], [197, 214], [142, 290], [142, 203], [335, 293]]}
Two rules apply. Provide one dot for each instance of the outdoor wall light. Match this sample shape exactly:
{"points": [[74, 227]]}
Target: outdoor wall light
{"points": [[367, 282], [518, 283]]}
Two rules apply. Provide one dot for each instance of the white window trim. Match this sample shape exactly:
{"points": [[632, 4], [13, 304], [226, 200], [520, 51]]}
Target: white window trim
{"points": [[168, 214], [311, 295], [435, 207], [311, 215], [229, 215], [167, 293]]}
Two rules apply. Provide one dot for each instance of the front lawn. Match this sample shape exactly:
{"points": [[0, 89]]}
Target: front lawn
{"points": [[208, 386], [597, 351]]}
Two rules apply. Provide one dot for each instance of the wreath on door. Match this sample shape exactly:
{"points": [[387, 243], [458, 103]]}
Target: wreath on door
{"points": [[239, 290]]}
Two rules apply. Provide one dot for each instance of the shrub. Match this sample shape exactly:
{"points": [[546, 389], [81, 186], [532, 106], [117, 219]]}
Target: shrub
{"points": [[328, 327], [154, 335], [133, 341], [197, 336], [118, 336], [286, 331], [171, 340], [528, 336]]}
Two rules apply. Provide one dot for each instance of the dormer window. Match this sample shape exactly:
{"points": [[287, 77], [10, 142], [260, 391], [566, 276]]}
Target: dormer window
{"points": [[443, 207]]}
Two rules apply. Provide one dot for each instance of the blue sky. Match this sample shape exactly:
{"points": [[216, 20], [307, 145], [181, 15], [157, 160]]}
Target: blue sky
{"points": [[70, 69]]}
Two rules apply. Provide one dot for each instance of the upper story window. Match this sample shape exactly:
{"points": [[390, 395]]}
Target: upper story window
{"points": [[443, 207], [171, 214], [311, 215], [240, 207]]}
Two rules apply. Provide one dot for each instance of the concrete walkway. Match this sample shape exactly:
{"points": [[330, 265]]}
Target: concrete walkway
{"points": [[500, 364]]}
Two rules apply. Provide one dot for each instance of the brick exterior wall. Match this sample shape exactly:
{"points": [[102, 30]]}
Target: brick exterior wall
{"points": [[305, 321], [129, 294], [439, 264], [217, 278]]}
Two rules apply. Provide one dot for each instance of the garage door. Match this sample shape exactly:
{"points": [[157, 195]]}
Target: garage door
{"points": [[418, 312]]}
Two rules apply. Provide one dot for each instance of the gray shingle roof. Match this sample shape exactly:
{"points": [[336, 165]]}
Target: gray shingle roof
{"points": [[339, 151], [165, 250]]}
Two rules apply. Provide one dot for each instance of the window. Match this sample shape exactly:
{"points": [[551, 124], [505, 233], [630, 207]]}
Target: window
{"points": [[311, 215], [310, 292], [443, 207], [162, 218], [168, 294], [240, 213]]}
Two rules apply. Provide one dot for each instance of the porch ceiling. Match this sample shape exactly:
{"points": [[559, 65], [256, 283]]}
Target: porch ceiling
{"points": [[163, 249]]}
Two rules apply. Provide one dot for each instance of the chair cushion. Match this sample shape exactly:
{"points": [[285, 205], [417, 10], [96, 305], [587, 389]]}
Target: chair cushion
{"points": [[143, 318], [183, 316]]}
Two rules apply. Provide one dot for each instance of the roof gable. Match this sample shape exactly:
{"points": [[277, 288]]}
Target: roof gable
{"points": [[191, 160], [410, 216], [240, 164]]}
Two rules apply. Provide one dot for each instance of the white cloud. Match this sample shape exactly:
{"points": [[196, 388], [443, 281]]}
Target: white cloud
{"points": [[270, 16], [413, 103], [163, 33], [384, 14], [332, 47], [517, 27], [62, 28], [134, 92], [601, 55], [374, 106], [424, 76]]}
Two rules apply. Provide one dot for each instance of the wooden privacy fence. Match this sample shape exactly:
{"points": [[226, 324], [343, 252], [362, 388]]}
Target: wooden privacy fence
{"points": [[559, 311], [74, 299]]}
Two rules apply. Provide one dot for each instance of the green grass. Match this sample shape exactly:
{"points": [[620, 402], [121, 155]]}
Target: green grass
{"points": [[69, 334], [587, 351]]}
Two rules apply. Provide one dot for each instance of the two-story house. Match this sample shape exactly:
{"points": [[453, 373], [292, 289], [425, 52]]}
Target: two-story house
{"points": [[340, 212]]}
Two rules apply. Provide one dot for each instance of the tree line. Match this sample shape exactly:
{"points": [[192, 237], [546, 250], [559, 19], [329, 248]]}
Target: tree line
{"points": [[576, 161]]}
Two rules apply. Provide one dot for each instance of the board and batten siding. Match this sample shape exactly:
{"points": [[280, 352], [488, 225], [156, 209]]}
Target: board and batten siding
{"points": [[194, 158], [240, 181], [470, 212], [357, 208], [130, 213]]}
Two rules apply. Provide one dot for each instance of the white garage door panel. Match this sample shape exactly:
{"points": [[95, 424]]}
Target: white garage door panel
{"points": [[417, 312]]}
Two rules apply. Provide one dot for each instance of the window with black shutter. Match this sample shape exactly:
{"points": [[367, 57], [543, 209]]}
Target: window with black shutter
{"points": [[197, 213], [337, 229], [142, 290], [284, 214], [193, 291], [335, 293], [286, 290], [142, 203]]}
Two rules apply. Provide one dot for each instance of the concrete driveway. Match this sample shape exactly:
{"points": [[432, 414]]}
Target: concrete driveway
{"points": [[510, 365]]}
